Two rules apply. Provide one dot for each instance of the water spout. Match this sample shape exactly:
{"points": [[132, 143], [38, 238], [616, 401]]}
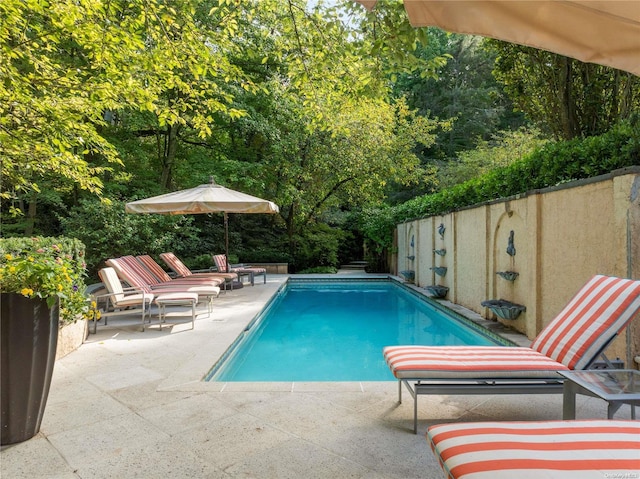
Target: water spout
{"points": [[439, 270], [508, 275], [409, 275], [437, 291], [503, 308]]}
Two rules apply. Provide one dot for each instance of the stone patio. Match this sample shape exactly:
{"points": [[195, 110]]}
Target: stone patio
{"points": [[131, 404]]}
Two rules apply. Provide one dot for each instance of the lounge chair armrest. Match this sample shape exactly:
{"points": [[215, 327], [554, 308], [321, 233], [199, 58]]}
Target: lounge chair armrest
{"points": [[126, 291]]}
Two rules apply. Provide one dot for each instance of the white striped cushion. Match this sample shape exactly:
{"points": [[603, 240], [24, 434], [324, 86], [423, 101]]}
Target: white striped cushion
{"points": [[534, 450], [154, 268], [595, 314], [427, 362]]}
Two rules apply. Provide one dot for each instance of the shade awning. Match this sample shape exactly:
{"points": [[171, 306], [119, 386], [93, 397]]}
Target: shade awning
{"points": [[602, 32]]}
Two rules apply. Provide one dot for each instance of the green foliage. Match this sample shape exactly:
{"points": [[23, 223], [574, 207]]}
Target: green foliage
{"points": [[319, 270], [47, 268], [565, 97], [377, 225], [552, 164], [317, 247], [107, 231], [464, 91], [71, 67], [503, 149], [266, 254]]}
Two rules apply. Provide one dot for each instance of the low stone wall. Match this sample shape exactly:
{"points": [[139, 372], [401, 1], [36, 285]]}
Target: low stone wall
{"points": [[273, 268], [71, 337]]}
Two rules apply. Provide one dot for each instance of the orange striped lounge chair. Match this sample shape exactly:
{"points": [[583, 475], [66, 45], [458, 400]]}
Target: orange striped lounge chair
{"points": [[591, 449], [180, 269], [572, 340], [223, 265]]}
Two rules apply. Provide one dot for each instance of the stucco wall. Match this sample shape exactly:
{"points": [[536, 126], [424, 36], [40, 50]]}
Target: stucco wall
{"points": [[562, 236]]}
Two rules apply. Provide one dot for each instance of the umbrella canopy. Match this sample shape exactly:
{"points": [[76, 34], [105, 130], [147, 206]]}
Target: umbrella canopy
{"points": [[606, 32], [209, 198]]}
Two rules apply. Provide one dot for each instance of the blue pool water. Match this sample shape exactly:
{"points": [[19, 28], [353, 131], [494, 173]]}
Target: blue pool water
{"points": [[335, 331]]}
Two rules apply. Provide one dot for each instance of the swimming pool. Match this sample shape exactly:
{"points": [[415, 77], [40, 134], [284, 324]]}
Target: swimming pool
{"points": [[334, 330]]}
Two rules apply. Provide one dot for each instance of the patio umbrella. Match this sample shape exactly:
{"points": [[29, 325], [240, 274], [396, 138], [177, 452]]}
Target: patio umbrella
{"points": [[208, 198], [595, 31]]}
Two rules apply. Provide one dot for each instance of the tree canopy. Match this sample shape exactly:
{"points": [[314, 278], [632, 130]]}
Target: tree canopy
{"points": [[325, 109]]}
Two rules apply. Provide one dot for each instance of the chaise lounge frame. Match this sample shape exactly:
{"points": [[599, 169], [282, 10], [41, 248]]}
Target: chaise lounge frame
{"points": [[592, 320]]}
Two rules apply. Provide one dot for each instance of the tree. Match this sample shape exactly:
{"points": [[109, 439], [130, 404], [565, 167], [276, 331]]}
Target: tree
{"points": [[347, 166], [463, 91], [565, 97], [72, 67]]}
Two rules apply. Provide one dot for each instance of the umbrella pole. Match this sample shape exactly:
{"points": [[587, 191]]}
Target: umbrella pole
{"points": [[226, 236]]}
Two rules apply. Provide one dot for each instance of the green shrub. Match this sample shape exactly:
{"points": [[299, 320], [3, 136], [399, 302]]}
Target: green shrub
{"points": [[552, 164], [265, 254], [317, 247], [107, 231], [319, 270]]}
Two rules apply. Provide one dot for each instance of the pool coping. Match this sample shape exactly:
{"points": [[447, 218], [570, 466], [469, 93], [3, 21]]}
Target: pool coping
{"points": [[208, 349]]}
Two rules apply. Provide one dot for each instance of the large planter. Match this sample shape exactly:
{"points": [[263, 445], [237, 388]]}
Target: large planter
{"points": [[28, 340]]}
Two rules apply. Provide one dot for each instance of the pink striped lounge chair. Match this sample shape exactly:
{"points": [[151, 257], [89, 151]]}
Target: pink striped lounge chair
{"points": [[592, 449], [180, 269], [126, 301], [135, 276], [156, 276], [162, 276], [572, 340], [223, 265]]}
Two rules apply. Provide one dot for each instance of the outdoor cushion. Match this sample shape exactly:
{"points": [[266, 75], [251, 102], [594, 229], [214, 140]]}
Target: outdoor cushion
{"points": [[572, 340], [161, 275], [540, 449], [426, 362], [151, 279], [178, 267], [131, 276], [584, 327]]}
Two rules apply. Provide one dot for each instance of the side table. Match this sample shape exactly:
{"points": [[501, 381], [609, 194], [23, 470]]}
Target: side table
{"points": [[180, 299], [616, 386]]}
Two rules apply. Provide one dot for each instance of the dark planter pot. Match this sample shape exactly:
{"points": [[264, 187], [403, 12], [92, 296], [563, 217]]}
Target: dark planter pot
{"points": [[28, 340]]}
